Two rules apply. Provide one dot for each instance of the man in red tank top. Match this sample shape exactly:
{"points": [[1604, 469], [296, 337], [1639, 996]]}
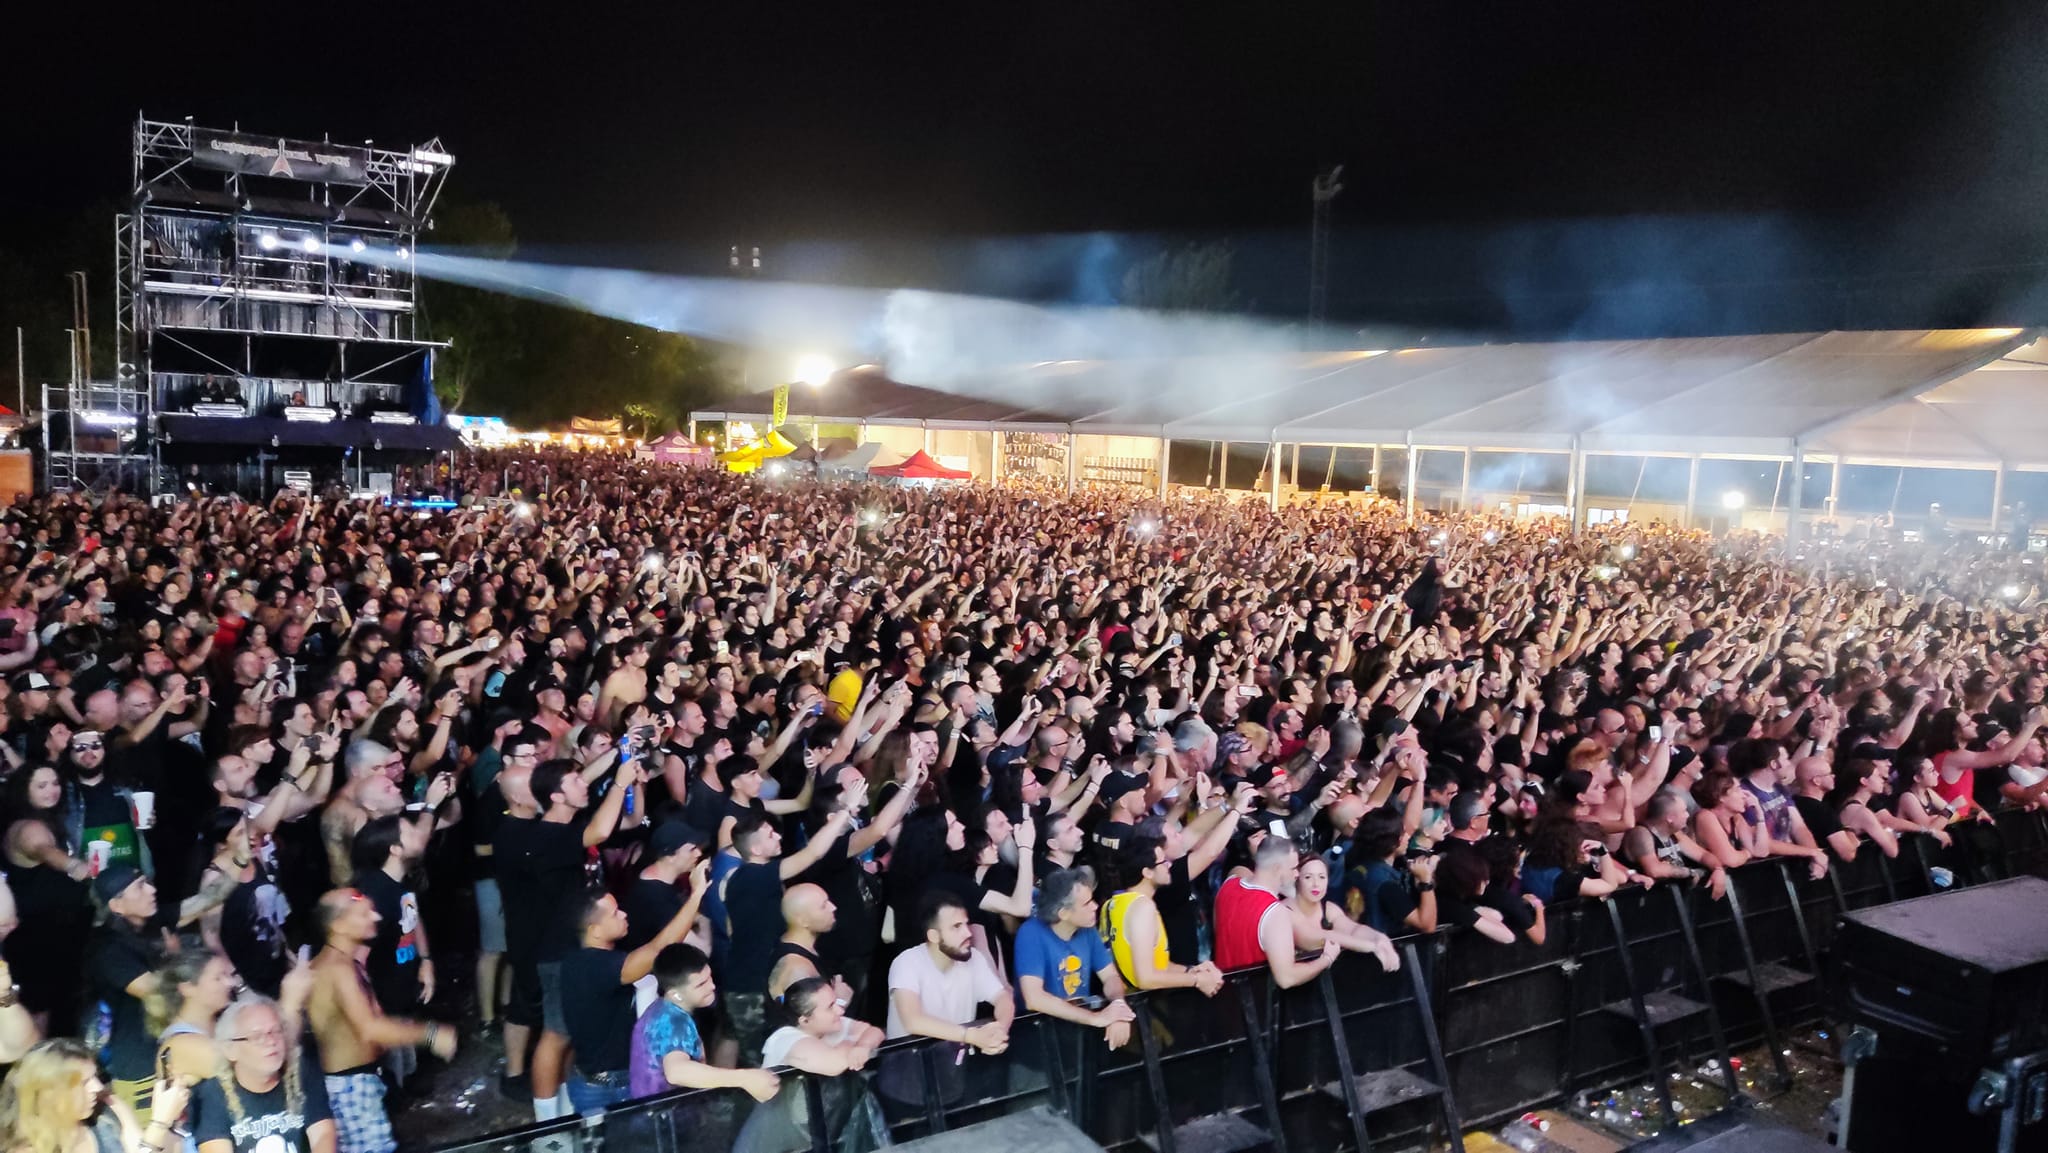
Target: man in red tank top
{"points": [[1251, 925]]}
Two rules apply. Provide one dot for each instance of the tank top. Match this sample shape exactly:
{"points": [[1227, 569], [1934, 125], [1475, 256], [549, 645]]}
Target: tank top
{"points": [[1959, 793], [1114, 911], [1239, 909]]}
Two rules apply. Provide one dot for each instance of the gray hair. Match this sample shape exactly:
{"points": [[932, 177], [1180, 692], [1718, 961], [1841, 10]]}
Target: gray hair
{"points": [[1056, 892], [1192, 734], [228, 1027], [364, 755]]}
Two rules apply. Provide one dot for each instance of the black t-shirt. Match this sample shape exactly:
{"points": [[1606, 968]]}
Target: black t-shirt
{"points": [[252, 932], [649, 905], [540, 867], [1820, 817], [853, 930], [1180, 915], [704, 806], [393, 963], [265, 1123], [115, 958], [753, 902], [597, 1009]]}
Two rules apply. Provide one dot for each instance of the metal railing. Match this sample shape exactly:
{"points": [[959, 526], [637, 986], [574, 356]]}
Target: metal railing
{"points": [[1465, 1032]]}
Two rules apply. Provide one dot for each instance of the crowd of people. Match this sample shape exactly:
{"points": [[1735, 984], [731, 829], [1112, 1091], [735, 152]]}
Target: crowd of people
{"points": [[659, 778]]}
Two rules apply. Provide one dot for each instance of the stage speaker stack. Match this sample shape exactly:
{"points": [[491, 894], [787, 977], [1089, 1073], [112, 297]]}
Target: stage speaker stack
{"points": [[1942, 1001]]}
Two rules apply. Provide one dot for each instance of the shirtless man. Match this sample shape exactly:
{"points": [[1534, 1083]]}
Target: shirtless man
{"points": [[353, 1033], [370, 791]]}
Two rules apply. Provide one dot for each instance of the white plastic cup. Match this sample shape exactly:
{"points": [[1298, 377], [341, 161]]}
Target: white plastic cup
{"points": [[97, 855], [145, 808]]}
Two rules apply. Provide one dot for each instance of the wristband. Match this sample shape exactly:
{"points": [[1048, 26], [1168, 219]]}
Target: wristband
{"points": [[1425, 886]]}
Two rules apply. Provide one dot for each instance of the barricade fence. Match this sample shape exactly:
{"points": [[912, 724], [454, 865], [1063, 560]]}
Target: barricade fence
{"points": [[1466, 1032]]}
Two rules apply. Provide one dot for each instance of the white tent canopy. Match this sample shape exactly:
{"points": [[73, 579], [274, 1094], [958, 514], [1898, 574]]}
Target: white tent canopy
{"points": [[1953, 395]]}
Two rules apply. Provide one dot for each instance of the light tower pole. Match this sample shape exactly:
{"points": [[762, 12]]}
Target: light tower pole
{"points": [[1322, 190]]}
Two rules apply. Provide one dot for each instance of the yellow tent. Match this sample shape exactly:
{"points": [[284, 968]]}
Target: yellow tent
{"points": [[754, 455]]}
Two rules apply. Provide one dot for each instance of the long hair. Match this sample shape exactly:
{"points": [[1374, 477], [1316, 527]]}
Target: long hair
{"points": [[224, 1031], [39, 1094], [164, 1005]]}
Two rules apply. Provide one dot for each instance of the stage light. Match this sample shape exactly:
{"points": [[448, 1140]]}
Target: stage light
{"points": [[814, 369], [357, 245], [310, 244], [1733, 499], [266, 242], [404, 252]]}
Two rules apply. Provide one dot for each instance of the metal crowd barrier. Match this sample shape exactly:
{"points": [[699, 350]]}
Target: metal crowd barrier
{"points": [[1467, 1032]]}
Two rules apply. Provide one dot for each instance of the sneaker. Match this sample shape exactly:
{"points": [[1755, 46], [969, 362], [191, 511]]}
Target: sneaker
{"points": [[519, 1089]]}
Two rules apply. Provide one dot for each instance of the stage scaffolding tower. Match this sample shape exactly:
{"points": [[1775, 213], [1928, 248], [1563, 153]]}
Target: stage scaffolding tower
{"points": [[253, 274]]}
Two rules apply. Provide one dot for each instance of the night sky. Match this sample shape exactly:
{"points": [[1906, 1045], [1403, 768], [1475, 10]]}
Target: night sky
{"points": [[1540, 167]]}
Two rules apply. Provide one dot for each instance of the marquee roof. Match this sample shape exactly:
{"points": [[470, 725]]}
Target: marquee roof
{"points": [[1967, 396]]}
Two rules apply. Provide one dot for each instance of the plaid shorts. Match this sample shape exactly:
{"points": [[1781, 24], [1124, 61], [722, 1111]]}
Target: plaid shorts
{"points": [[357, 1101]]}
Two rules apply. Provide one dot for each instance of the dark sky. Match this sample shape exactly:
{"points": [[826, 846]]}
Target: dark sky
{"points": [[1537, 165]]}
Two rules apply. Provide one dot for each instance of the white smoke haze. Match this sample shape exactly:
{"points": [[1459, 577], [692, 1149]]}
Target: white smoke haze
{"points": [[1067, 359]]}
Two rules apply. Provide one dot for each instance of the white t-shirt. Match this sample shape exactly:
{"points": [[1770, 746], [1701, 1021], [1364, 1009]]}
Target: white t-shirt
{"points": [[775, 1051], [950, 995]]}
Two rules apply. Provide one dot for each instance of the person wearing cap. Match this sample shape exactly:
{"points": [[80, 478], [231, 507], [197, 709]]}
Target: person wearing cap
{"points": [[651, 901], [121, 965], [1124, 802], [33, 695]]}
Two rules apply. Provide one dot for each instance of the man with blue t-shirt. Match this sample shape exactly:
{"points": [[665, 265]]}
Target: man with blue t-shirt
{"points": [[1057, 951]]}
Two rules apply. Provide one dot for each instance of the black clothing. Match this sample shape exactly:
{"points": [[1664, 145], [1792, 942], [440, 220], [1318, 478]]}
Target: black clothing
{"points": [[117, 955], [649, 906], [265, 1123], [753, 903], [597, 1009], [540, 867]]}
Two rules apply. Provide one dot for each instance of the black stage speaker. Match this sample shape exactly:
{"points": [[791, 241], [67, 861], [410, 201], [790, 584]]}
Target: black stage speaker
{"points": [[1038, 1130], [1943, 1000]]}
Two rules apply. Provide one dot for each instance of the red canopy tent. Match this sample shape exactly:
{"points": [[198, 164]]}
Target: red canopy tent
{"points": [[920, 466]]}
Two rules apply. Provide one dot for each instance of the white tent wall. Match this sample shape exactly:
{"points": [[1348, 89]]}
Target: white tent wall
{"points": [[898, 441], [965, 448]]}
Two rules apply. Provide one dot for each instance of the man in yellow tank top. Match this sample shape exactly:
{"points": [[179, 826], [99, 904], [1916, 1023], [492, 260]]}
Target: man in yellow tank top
{"points": [[1131, 929]]}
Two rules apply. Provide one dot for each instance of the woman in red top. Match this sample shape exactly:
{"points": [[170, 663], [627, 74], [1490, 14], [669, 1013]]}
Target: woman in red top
{"points": [[1948, 733]]}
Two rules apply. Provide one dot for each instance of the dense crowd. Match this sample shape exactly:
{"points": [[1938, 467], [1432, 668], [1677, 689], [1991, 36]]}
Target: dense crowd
{"points": [[694, 777]]}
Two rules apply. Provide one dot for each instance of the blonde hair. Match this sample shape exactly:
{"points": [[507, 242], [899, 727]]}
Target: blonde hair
{"points": [[39, 1096]]}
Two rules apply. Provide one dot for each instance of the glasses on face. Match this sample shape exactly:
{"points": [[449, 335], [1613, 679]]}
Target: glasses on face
{"points": [[261, 1035]]}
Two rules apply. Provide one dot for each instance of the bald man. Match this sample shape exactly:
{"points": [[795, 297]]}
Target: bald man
{"points": [[809, 913]]}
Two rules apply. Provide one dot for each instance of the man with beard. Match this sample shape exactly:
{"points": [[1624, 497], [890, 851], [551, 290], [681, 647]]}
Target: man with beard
{"points": [[934, 990]]}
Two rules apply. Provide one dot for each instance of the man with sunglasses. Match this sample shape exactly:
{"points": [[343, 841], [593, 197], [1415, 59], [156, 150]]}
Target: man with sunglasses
{"points": [[99, 813]]}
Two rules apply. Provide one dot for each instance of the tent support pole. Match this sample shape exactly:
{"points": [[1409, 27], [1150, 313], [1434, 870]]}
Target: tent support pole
{"points": [[1798, 506], [1294, 468], [1223, 469], [1375, 470], [1835, 488], [1997, 497], [927, 440], [1073, 459], [995, 456], [1465, 484], [1408, 489], [1273, 485], [1165, 458], [1575, 486], [1692, 490]]}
